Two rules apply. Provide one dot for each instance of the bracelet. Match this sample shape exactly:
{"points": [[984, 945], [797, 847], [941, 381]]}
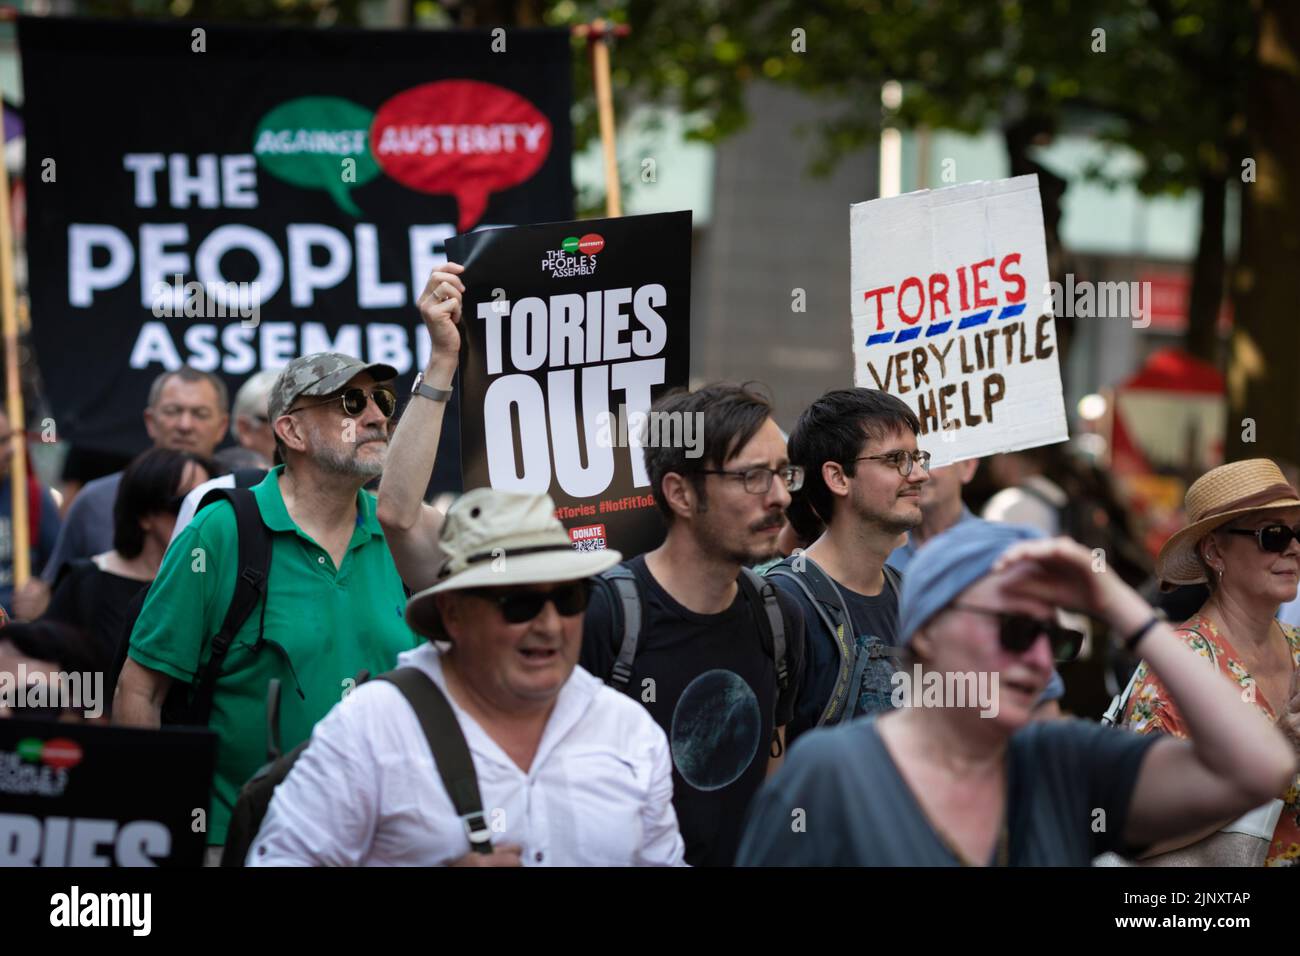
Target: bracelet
{"points": [[1131, 643]]}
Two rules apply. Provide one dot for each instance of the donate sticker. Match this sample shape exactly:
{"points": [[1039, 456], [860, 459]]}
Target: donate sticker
{"points": [[462, 137], [318, 142]]}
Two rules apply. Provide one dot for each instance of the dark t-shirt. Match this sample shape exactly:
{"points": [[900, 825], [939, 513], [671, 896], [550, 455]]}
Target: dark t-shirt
{"points": [[710, 682], [874, 617], [94, 600], [859, 811]]}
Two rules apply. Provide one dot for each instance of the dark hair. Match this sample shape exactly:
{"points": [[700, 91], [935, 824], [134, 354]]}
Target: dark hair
{"points": [[187, 373], [731, 416], [836, 428], [69, 647], [803, 519], [150, 484]]}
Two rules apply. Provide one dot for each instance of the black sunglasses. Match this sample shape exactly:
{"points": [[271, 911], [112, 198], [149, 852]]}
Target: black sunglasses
{"points": [[1274, 537], [1019, 631], [355, 400], [520, 607]]}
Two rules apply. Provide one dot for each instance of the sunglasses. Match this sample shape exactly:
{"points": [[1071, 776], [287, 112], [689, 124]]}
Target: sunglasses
{"points": [[1274, 537], [520, 607], [355, 401], [1018, 632]]}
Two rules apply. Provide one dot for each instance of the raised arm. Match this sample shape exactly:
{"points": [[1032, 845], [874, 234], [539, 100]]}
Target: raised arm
{"points": [[1233, 762], [410, 525]]}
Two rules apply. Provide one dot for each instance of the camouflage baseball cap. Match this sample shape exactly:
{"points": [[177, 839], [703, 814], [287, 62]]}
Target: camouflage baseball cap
{"points": [[319, 374]]}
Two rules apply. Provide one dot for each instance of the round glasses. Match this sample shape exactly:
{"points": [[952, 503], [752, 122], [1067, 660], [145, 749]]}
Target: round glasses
{"points": [[902, 460], [759, 478]]}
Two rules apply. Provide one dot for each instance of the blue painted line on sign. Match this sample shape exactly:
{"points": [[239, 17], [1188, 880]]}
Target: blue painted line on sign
{"points": [[938, 329], [908, 334], [1011, 311], [979, 318], [880, 338]]}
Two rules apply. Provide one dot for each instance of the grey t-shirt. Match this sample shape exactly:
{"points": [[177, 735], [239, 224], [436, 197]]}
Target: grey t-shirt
{"points": [[88, 528], [858, 810]]}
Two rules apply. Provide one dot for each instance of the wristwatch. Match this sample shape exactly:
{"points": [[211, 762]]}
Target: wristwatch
{"points": [[428, 391]]}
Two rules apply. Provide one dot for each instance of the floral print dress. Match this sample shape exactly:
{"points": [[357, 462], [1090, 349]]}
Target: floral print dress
{"points": [[1151, 710]]}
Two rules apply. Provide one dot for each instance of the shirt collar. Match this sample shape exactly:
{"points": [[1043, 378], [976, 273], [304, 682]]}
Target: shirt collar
{"points": [[270, 501]]}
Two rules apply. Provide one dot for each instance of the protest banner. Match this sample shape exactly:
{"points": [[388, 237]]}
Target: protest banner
{"points": [[951, 313], [233, 197], [91, 795], [572, 329]]}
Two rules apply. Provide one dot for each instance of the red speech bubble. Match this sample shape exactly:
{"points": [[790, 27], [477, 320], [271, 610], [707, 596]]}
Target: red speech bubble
{"points": [[462, 137]]}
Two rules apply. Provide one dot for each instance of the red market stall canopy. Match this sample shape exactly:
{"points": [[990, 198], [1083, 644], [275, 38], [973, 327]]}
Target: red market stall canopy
{"points": [[1169, 414]]}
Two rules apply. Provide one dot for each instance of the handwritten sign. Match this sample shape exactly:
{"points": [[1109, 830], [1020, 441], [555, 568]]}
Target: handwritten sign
{"points": [[951, 314]]}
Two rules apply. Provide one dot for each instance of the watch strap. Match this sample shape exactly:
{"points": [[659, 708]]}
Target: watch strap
{"points": [[429, 391]]}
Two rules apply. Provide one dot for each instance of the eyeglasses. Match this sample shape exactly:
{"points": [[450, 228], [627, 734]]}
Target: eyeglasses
{"points": [[759, 478], [902, 460], [1274, 537], [355, 401], [519, 607], [1018, 632]]}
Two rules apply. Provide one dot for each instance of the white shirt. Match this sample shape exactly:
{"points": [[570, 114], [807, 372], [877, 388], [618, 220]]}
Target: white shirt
{"points": [[366, 792], [1018, 506], [191, 502]]}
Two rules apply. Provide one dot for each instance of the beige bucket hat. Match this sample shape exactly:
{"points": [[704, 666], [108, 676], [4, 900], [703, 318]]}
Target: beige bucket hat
{"points": [[1214, 499], [497, 539]]}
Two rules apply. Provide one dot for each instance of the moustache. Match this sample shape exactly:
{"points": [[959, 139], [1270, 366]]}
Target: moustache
{"points": [[769, 524]]}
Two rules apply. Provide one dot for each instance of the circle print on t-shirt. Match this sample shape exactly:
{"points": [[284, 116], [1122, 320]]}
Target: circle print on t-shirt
{"points": [[716, 730]]}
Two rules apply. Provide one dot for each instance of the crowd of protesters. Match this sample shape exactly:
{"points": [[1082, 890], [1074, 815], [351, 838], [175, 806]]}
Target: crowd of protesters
{"points": [[757, 690]]}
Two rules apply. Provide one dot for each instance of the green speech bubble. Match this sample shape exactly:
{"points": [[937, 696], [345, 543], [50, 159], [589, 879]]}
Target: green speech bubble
{"points": [[307, 141]]}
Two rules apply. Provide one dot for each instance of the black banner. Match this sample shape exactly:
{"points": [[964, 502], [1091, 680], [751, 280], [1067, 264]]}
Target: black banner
{"points": [[87, 795], [574, 328], [235, 197]]}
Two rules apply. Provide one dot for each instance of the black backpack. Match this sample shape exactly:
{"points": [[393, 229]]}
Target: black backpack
{"points": [[826, 599], [191, 704], [621, 589], [441, 730]]}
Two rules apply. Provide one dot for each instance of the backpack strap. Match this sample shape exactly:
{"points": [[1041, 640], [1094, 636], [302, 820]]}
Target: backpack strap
{"points": [[894, 578], [761, 595], [1119, 703], [450, 751], [625, 603], [245, 478], [828, 602], [250, 588]]}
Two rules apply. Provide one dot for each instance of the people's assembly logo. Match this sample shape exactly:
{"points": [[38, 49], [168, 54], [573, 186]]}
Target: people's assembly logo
{"points": [[575, 257], [459, 137], [38, 766]]}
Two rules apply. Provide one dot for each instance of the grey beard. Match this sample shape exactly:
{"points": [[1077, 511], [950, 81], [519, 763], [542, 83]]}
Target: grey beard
{"points": [[341, 463]]}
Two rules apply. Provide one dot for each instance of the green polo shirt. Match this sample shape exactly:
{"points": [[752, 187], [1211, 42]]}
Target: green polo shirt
{"points": [[323, 625]]}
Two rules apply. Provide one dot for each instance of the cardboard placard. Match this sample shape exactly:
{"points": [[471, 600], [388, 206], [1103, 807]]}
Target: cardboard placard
{"points": [[951, 313]]}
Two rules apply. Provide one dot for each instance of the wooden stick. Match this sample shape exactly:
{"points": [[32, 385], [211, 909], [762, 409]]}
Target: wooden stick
{"points": [[13, 383], [597, 35]]}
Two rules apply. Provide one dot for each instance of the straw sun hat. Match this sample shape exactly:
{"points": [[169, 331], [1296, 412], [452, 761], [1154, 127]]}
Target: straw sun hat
{"points": [[1216, 498], [497, 539]]}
